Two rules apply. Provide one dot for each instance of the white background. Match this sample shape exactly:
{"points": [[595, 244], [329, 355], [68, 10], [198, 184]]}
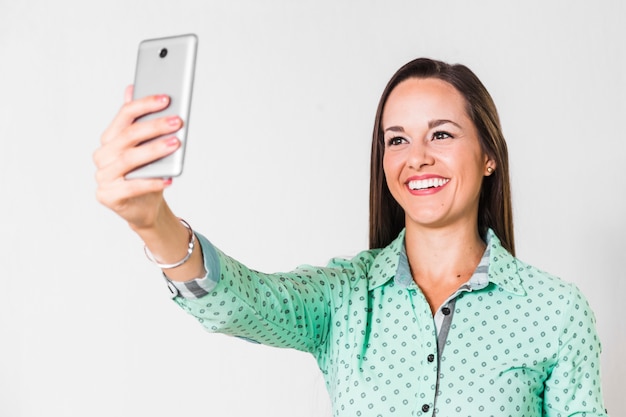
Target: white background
{"points": [[276, 175]]}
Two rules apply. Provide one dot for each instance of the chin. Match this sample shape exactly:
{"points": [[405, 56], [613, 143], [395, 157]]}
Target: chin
{"points": [[425, 220]]}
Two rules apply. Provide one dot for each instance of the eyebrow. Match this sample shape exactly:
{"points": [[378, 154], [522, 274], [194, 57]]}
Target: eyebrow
{"points": [[439, 122], [394, 129], [431, 125]]}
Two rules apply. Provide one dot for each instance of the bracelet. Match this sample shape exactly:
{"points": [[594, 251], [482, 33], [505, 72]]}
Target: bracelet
{"points": [[190, 246]]}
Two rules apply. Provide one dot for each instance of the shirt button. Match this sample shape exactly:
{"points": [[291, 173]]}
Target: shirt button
{"points": [[173, 290], [425, 408], [445, 311], [431, 357]]}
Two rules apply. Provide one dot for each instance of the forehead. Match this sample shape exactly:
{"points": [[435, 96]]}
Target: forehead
{"points": [[423, 99]]}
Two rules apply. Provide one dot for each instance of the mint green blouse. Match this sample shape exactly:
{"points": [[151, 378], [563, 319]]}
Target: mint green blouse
{"points": [[512, 341]]}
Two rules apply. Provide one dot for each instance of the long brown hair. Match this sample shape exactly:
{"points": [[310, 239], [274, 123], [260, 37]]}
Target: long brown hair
{"points": [[494, 207]]}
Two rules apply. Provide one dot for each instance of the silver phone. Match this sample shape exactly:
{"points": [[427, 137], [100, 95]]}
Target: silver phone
{"points": [[166, 66]]}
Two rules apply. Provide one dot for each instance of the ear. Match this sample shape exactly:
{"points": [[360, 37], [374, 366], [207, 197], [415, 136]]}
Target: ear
{"points": [[490, 166]]}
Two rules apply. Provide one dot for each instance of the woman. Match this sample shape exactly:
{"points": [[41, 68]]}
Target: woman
{"points": [[438, 317]]}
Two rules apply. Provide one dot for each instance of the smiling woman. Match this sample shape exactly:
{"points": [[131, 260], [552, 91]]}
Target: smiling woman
{"points": [[430, 138], [470, 100], [438, 317]]}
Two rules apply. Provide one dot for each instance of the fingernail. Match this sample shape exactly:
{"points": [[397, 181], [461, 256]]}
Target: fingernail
{"points": [[167, 181], [173, 121], [173, 141], [163, 98]]}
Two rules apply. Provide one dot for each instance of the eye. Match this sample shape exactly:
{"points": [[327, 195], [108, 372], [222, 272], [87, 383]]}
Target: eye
{"points": [[439, 135], [395, 141]]}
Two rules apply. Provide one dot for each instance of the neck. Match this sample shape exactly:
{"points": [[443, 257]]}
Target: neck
{"points": [[443, 256]]}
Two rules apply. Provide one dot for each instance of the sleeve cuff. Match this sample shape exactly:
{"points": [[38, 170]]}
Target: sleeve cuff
{"points": [[199, 287]]}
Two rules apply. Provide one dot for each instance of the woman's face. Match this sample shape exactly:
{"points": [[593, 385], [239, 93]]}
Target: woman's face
{"points": [[433, 162]]}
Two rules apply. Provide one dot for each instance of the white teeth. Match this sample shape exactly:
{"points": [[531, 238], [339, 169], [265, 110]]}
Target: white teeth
{"points": [[428, 183]]}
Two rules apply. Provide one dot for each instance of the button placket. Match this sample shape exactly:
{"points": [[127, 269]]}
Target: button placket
{"points": [[422, 315]]}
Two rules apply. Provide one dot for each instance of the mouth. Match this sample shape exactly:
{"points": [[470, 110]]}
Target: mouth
{"points": [[425, 184]]}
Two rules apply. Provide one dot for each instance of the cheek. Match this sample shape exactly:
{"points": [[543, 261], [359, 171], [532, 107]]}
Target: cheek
{"points": [[386, 165], [390, 171], [387, 170], [390, 164]]}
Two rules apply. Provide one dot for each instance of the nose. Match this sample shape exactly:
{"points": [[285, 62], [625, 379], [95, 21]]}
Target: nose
{"points": [[419, 155]]}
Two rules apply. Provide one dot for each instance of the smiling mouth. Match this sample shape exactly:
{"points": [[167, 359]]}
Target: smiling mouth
{"points": [[416, 185]]}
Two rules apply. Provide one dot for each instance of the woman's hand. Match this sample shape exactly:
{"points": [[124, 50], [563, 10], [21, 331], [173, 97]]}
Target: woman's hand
{"points": [[138, 201]]}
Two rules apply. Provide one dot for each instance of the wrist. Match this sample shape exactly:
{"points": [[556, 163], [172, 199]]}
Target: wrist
{"points": [[153, 222], [191, 243], [169, 241], [166, 238]]}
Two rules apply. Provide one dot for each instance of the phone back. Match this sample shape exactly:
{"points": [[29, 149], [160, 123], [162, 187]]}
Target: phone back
{"points": [[166, 66]]}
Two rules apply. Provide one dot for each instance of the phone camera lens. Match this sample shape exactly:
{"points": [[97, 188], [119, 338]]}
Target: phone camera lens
{"points": [[163, 53]]}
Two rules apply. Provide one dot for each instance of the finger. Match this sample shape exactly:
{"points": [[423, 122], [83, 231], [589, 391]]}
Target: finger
{"points": [[137, 134], [128, 93], [149, 136], [131, 111], [143, 131], [112, 166]]}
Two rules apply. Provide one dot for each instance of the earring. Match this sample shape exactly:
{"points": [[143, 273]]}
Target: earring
{"points": [[489, 170]]}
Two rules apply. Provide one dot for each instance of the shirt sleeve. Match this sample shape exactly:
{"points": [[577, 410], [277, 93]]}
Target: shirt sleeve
{"points": [[573, 387], [291, 309], [199, 287]]}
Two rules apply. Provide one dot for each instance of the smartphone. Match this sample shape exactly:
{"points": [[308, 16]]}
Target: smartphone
{"points": [[166, 66]]}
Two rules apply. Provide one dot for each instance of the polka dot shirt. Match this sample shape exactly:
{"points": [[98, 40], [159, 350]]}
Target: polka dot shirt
{"points": [[512, 341]]}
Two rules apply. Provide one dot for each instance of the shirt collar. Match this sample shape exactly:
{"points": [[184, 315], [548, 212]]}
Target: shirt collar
{"points": [[497, 266], [503, 270], [387, 262]]}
